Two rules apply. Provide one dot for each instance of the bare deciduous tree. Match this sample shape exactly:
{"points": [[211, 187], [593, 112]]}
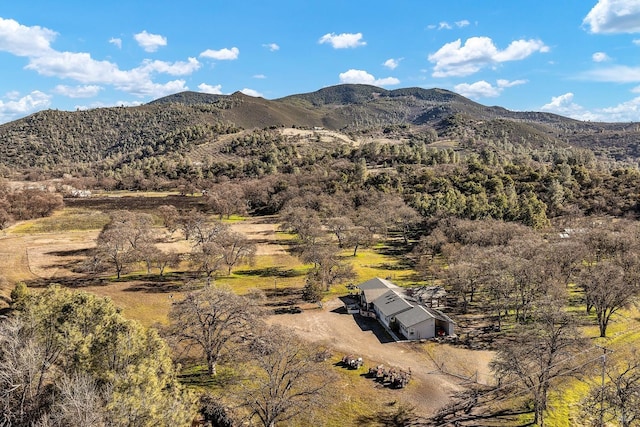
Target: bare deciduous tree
{"points": [[540, 354], [288, 381], [236, 249], [209, 320], [619, 399]]}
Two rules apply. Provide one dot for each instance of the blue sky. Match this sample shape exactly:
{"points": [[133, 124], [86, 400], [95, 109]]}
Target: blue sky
{"points": [[578, 58]]}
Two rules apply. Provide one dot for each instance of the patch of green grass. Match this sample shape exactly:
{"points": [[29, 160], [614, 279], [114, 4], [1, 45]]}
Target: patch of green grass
{"points": [[564, 404], [369, 263], [64, 220], [198, 377]]}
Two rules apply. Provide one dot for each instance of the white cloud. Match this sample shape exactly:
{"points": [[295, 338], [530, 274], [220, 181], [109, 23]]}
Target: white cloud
{"points": [[614, 74], [392, 63], [21, 40], [13, 94], [564, 105], [614, 16], [18, 107], [86, 91], [214, 90], [456, 59], [271, 46], [481, 89], [362, 77], [222, 54], [600, 57], [100, 104], [252, 92], [484, 89], [625, 112], [150, 42], [259, 76], [636, 42], [33, 42], [81, 67], [447, 26], [137, 81], [343, 41], [179, 68], [116, 41], [510, 83]]}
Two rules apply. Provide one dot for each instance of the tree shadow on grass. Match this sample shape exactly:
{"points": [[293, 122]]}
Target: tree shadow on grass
{"points": [[198, 376], [71, 252], [270, 272], [154, 288], [68, 282]]}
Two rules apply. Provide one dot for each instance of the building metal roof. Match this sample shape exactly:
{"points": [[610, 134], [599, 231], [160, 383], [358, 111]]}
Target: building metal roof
{"points": [[416, 315], [391, 303]]}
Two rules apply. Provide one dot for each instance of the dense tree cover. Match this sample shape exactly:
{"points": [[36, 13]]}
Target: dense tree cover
{"points": [[70, 358]]}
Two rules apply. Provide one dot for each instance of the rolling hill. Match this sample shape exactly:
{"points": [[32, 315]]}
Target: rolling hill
{"points": [[58, 141]]}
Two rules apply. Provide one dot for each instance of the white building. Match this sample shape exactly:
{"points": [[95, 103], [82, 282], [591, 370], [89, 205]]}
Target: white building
{"points": [[401, 313]]}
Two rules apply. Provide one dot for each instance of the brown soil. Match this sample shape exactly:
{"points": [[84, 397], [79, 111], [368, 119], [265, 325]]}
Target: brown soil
{"points": [[344, 333]]}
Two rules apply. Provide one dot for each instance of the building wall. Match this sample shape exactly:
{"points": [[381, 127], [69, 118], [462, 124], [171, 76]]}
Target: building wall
{"points": [[422, 330]]}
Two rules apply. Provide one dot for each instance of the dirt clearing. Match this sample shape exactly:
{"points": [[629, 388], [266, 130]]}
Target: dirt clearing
{"points": [[429, 389]]}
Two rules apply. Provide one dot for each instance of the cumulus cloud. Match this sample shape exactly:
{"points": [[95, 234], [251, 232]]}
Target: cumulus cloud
{"points": [[628, 111], [214, 90], [343, 41], [222, 54], [362, 77], [259, 76], [392, 63], [178, 68], [614, 16], [150, 42], [271, 46], [86, 91], [600, 57], [83, 68], [138, 81], [21, 40], [564, 105], [484, 89], [116, 41], [18, 106], [456, 59], [252, 92]]}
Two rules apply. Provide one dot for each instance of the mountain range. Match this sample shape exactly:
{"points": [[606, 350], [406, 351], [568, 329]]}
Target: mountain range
{"points": [[188, 121]]}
